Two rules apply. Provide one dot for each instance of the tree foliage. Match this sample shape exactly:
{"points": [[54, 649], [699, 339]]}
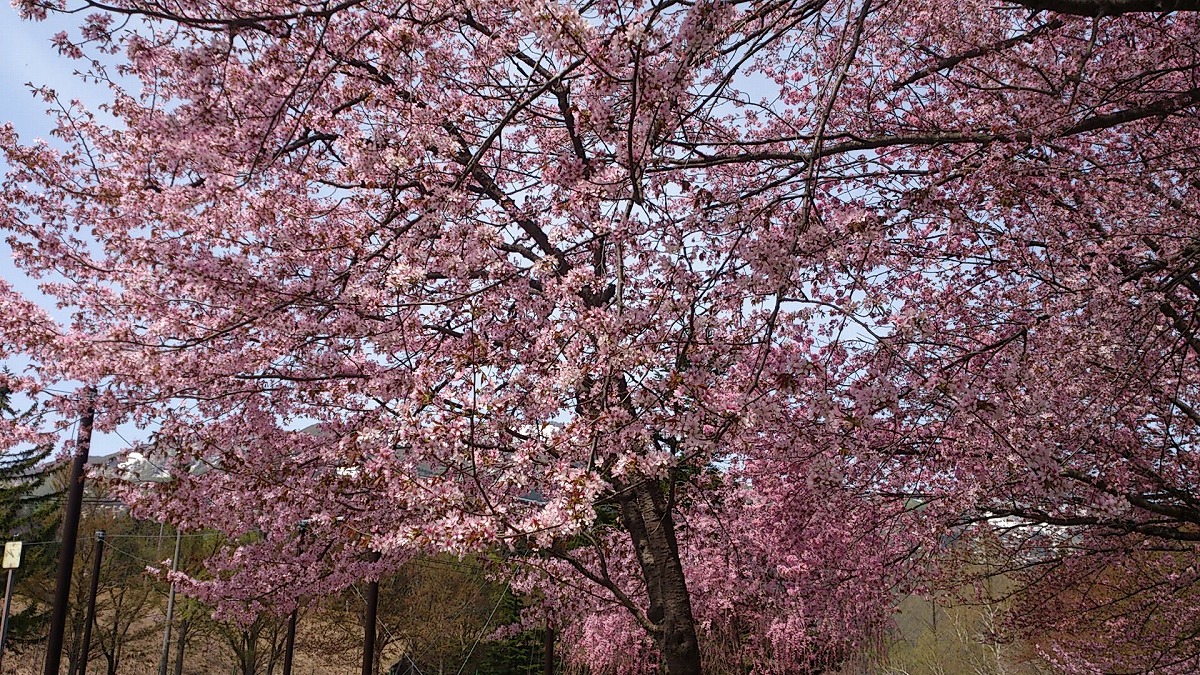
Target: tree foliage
{"points": [[29, 513], [683, 302]]}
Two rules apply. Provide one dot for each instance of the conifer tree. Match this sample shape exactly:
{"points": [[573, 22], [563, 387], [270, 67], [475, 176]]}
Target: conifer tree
{"points": [[29, 513]]}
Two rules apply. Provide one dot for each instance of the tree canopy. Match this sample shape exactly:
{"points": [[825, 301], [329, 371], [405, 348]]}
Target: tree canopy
{"points": [[722, 316]]}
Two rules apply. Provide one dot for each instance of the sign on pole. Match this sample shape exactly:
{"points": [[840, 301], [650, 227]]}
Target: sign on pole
{"points": [[12, 560], [12, 555]]}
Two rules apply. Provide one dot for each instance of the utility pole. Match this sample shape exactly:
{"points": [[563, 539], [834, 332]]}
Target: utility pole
{"points": [[368, 667], [166, 649], [70, 530], [91, 606]]}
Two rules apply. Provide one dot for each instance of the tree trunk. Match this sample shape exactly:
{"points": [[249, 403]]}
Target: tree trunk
{"points": [[251, 653], [180, 644], [75, 647], [646, 512], [276, 648]]}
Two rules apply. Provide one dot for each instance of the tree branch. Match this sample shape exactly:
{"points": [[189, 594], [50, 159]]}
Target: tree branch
{"points": [[1098, 8]]}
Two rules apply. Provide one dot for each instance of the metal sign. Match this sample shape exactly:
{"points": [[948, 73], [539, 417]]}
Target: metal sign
{"points": [[12, 555]]}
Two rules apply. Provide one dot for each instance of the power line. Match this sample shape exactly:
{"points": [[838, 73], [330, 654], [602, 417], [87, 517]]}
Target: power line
{"points": [[155, 536], [485, 625], [134, 556]]}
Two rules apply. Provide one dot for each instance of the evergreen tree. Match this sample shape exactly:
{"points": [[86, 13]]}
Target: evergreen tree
{"points": [[521, 654], [29, 512]]}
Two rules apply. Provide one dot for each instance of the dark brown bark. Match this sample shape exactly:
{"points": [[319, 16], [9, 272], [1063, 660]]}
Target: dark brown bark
{"points": [[646, 513], [181, 644], [249, 655]]}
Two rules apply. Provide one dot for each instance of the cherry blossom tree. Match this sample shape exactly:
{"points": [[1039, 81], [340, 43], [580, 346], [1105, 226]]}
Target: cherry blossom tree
{"points": [[684, 303], [1046, 361]]}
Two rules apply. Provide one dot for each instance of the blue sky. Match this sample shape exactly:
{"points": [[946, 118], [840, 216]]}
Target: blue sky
{"points": [[27, 56]]}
